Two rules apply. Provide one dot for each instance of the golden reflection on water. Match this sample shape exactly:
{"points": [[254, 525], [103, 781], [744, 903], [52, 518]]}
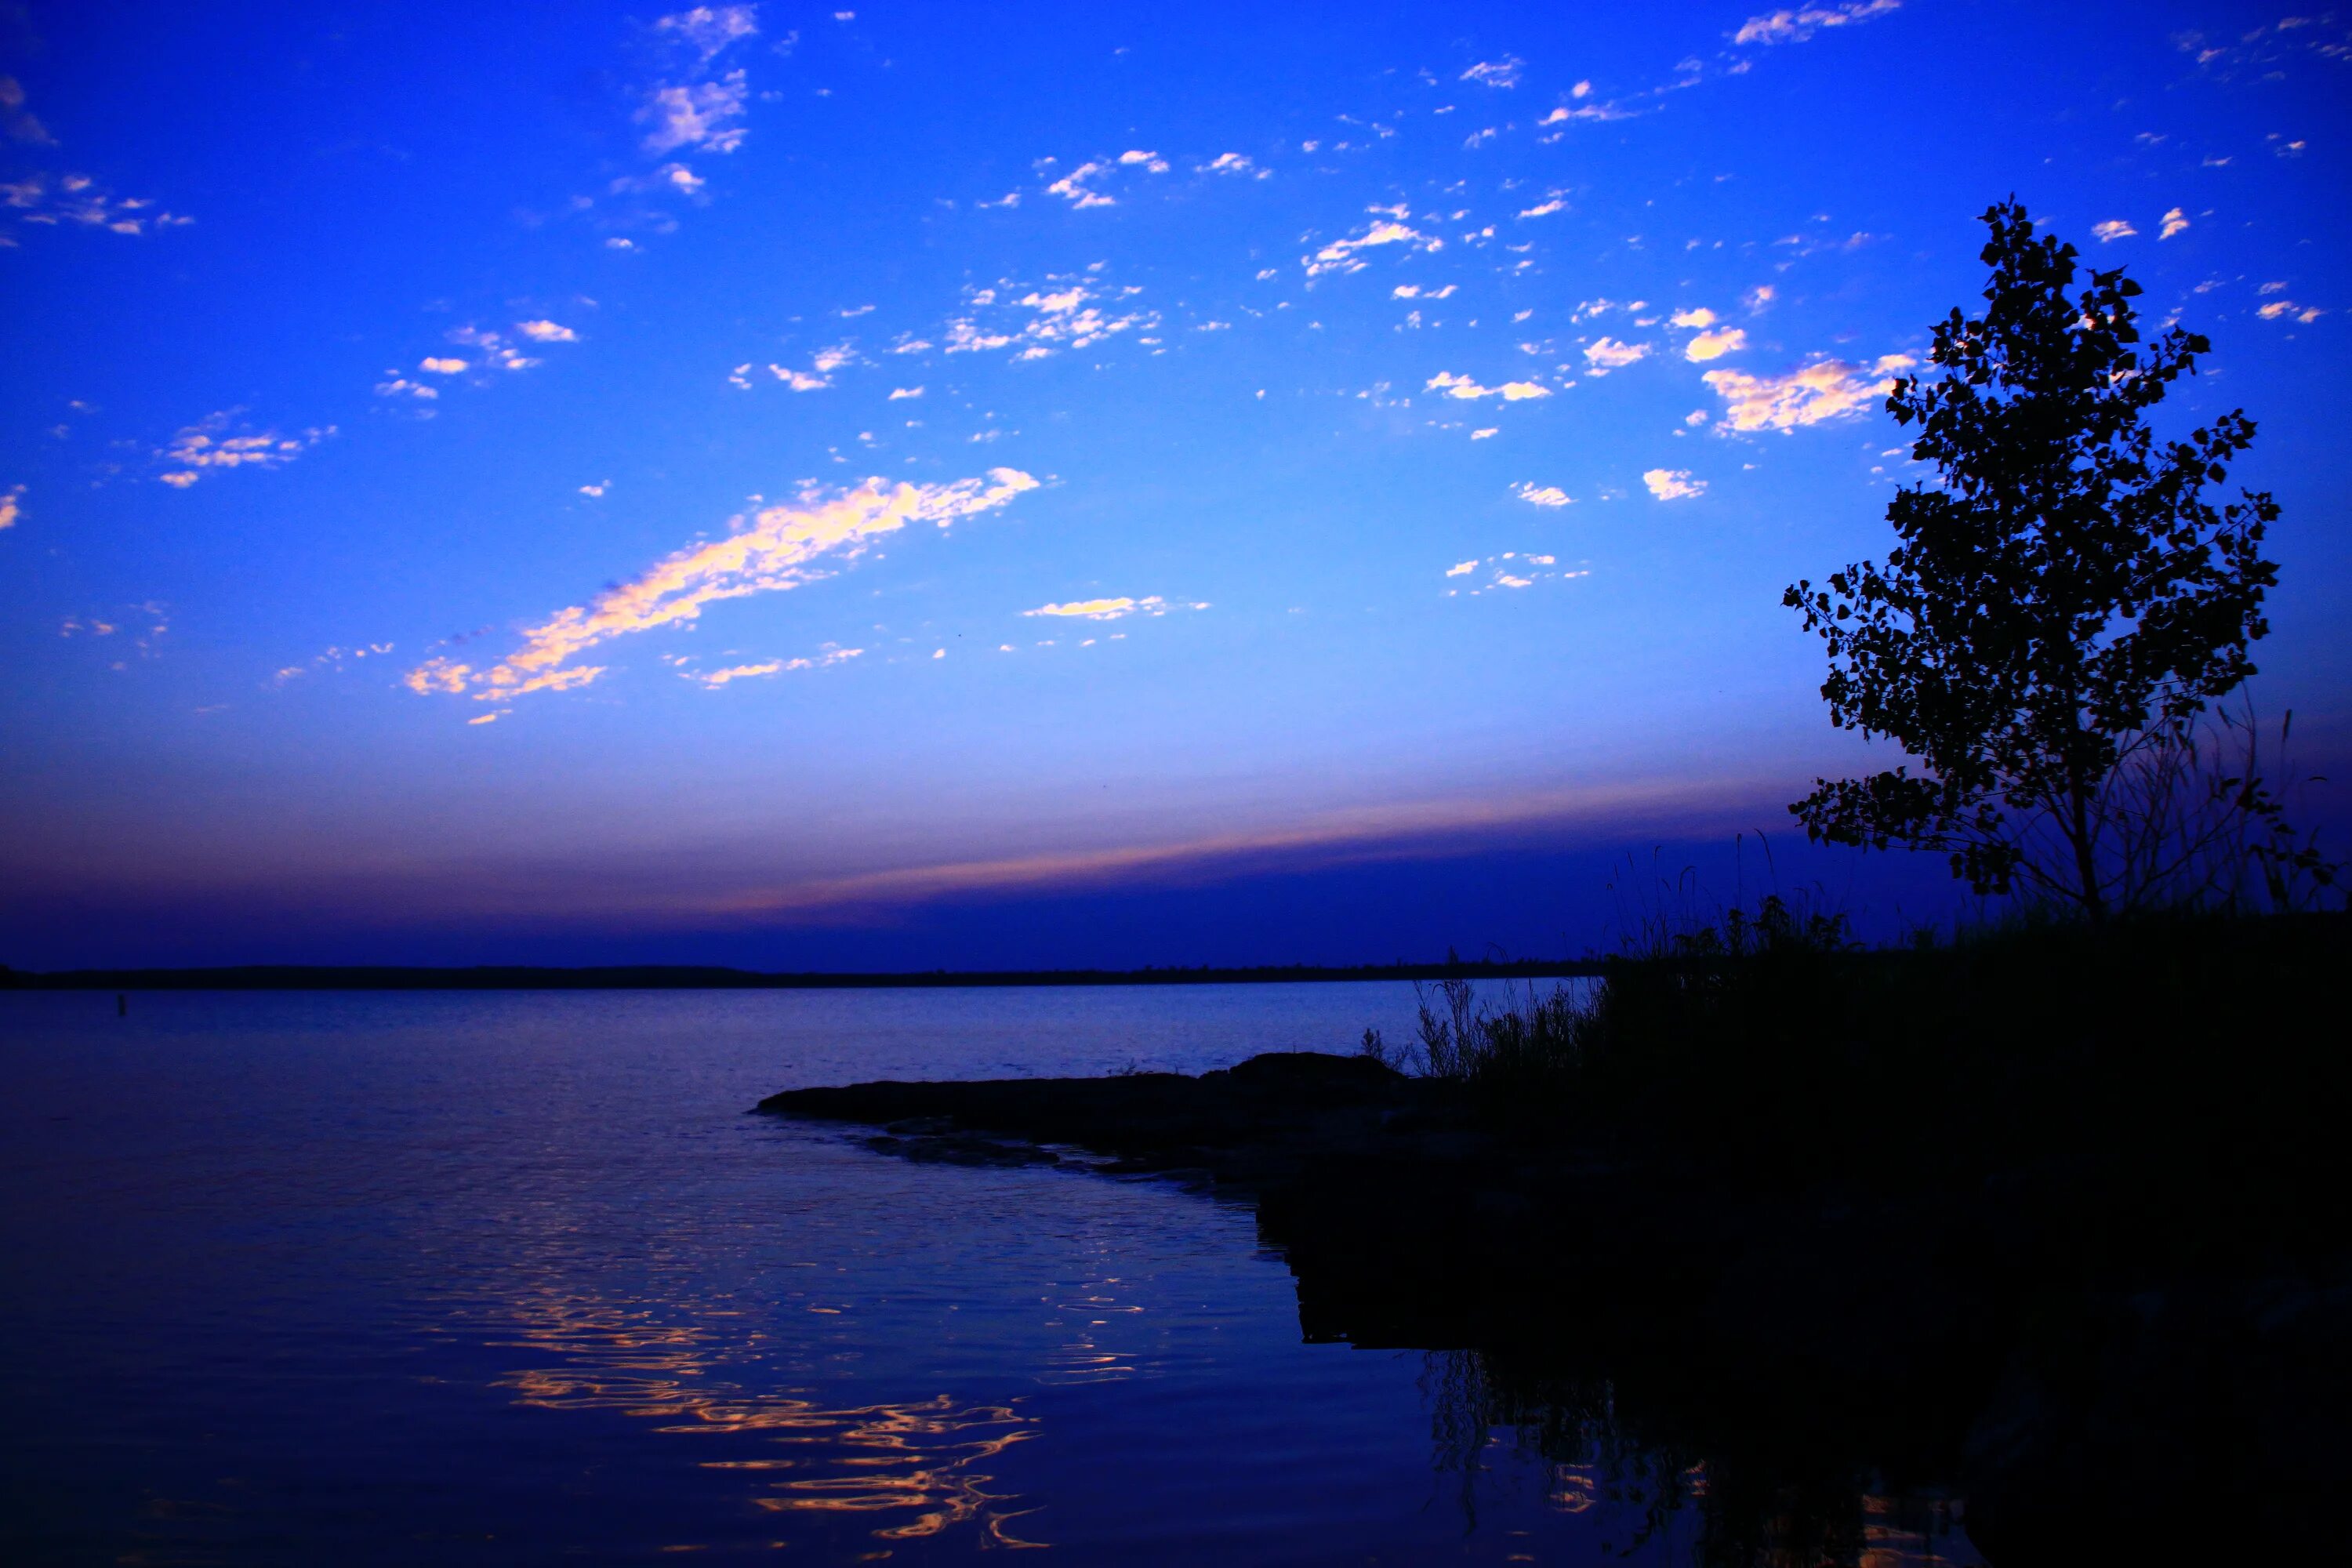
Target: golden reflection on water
{"points": [[913, 1460]]}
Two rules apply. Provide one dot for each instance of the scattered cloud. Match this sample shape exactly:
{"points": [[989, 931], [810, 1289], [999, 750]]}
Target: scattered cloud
{"points": [[545, 331], [2174, 222], [441, 365], [206, 445], [2113, 229], [1824, 389], [777, 548], [1066, 313], [1510, 570], [695, 114], [1503, 72], [1546, 495], [1796, 27], [1112, 609], [1232, 163], [1462, 387], [1415, 291], [1342, 256], [47, 201], [711, 680], [1074, 187], [12, 506], [1673, 484], [596, 489], [1546, 207], [899, 393], [1715, 344], [2279, 308], [1151, 162], [1604, 354], [709, 29]]}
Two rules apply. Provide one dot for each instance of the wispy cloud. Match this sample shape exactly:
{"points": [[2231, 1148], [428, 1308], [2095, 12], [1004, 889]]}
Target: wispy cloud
{"points": [[1066, 313], [51, 200], [2174, 222], [777, 548], [1462, 387], [1796, 27], [1112, 609], [205, 447], [1673, 484], [545, 331], [1507, 573], [711, 680], [1342, 256], [1546, 495], [1823, 390], [708, 29], [695, 114], [1073, 186], [1503, 72], [12, 506], [2113, 229], [1604, 354]]}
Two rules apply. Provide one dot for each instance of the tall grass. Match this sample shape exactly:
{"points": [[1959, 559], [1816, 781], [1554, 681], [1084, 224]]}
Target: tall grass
{"points": [[1671, 975]]}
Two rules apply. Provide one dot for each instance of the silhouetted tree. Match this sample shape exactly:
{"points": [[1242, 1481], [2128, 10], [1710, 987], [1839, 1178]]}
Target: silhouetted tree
{"points": [[2061, 608]]}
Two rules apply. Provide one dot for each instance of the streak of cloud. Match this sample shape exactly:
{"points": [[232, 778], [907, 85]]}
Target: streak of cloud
{"points": [[777, 548]]}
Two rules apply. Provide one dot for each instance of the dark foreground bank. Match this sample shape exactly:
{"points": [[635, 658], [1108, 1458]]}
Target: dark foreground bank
{"points": [[2055, 1222]]}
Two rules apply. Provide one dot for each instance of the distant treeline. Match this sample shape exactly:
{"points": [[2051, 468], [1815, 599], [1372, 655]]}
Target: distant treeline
{"points": [[695, 977]]}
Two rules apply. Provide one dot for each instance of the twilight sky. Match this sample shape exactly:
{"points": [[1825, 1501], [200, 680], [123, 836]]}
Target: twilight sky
{"points": [[962, 484]]}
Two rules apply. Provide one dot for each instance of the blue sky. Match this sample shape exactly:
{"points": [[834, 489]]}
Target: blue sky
{"points": [[893, 486]]}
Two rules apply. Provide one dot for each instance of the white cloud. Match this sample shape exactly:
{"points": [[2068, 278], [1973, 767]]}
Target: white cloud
{"points": [[777, 548], [1547, 495], [1824, 389], [1342, 255], [598, 489], [712, 680], [695, 114], [1462, 387], [1415, 291], [1462, 569], [1111, 609], [1700, 317], [1715, 344], [2113, 229], [1604, 354], [1074, 186], [47, 201], [1231, 163], [12, 506], [544, 331], [1503, 72], [1796, 27], [1068, 313], [1490, 431], [2174, 222], [899, 392], [205, 446], [1673, 484], [439, 366], [1151, 162], [1544, 209], [708, 29]]}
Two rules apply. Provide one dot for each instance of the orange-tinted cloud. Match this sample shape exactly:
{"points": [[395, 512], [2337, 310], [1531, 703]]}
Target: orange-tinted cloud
{"points": [[777, 548]]}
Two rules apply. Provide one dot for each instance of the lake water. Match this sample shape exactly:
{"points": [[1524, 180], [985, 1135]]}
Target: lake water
{"points": [[507, 1278]]}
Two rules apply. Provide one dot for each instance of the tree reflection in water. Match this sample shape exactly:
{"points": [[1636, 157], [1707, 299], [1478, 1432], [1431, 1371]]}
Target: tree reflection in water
{"points": [[1775, 1505]]}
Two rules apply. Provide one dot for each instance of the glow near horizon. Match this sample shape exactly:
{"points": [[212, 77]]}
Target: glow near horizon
{"points": [[1351, 438]]}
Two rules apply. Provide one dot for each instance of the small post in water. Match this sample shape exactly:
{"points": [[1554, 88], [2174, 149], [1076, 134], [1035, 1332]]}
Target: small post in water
{"points": [[123, 1004]]}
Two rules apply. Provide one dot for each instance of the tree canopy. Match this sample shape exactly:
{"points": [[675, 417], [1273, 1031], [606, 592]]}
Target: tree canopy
{"points": [[2063, 602]]}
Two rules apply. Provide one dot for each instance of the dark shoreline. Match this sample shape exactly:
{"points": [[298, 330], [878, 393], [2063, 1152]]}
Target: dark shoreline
{"points": [[2052, 1224], [693, 977]]}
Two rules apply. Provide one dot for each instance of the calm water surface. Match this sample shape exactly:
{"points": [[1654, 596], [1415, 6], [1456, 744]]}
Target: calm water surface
{"points": [[511, 1278]]}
